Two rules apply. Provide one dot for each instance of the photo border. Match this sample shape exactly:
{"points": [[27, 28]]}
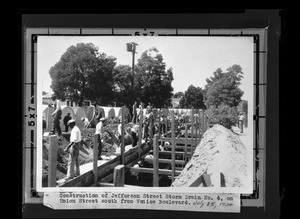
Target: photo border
{"points": [[31, 37]]}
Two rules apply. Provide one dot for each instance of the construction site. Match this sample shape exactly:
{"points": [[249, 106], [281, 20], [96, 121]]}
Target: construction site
{"points": [[182, 150]]}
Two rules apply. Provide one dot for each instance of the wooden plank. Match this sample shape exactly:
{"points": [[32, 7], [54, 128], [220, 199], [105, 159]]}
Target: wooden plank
{"points": [[95, 158], [140, 131], [103, 184], [107, 178], [151, 129], [185, 144], [192, 130], [169, 161], [173, 145], [122, 135], [155, 162], [150, 170], [177, 147], [112, 185], [52, 169], [196, 127], [168, 152], [159, 117], [119, 176], [177, 140]]}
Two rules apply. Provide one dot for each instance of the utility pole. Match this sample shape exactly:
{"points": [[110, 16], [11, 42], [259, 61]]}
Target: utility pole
{"points": [[131, 48]]}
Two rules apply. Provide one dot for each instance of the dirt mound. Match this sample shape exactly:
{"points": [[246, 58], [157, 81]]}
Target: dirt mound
{"points": [[220, 152]]}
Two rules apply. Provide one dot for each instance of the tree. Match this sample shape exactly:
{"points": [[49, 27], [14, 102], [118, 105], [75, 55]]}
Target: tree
{"points": [[122, 77], [223, 88], [223, 95], [83, 73], [193, 97], [153, 83], [178, 94], [243, 106], [223, 115]]}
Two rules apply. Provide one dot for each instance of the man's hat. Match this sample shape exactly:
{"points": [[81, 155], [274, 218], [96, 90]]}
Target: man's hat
{"points": [[71, 121], [102, 119]]}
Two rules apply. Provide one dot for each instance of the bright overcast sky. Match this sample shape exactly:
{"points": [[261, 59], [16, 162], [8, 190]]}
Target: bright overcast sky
{"points": [[193, 59]]}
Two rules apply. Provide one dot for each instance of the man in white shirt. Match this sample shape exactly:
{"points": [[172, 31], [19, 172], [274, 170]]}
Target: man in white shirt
{"points": [[74, 145], [241, 122], [100, 130]]}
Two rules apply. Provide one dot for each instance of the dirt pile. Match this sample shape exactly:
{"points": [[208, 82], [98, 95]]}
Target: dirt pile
{"points": [[220, 152]]}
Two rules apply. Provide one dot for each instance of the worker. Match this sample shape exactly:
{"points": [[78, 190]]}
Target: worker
{"points": [[163, 124], [98, 112], [146, 128], [57, 117], [66, 120], [100, 132], [120, 129], [134, 135], [149, 108], [134, 113], [241, 122], [73, 146]]}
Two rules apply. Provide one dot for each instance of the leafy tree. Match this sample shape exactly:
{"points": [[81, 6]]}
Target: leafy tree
{"points": [[243, 106], [83, 73], [153, 82], [223, 88], [178, 94], [216, 76], [122, 78], [193, 97], [223, 115]]}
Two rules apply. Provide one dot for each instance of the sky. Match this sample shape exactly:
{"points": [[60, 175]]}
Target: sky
{"points": [[192, 58]]}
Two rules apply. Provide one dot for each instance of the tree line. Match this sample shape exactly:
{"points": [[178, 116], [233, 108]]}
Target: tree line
{"points": [[84, 73], [220, 98]]}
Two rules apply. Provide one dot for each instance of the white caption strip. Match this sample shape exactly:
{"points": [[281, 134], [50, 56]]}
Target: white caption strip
{"points": [[156, 201]]}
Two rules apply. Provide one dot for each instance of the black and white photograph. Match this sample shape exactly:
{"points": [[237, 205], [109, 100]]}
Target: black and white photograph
{"points": [[145, 113]]}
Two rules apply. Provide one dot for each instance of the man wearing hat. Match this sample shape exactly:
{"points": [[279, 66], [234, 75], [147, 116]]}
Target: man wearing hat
{"points": [[66, 120], [99, 131], [74, 145]]}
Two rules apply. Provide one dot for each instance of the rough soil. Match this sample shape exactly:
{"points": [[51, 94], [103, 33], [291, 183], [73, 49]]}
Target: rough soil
{"points": [[220, 151]]}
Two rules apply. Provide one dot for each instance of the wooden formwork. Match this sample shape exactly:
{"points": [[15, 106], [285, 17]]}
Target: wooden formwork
{"points": [[181, 148]]}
